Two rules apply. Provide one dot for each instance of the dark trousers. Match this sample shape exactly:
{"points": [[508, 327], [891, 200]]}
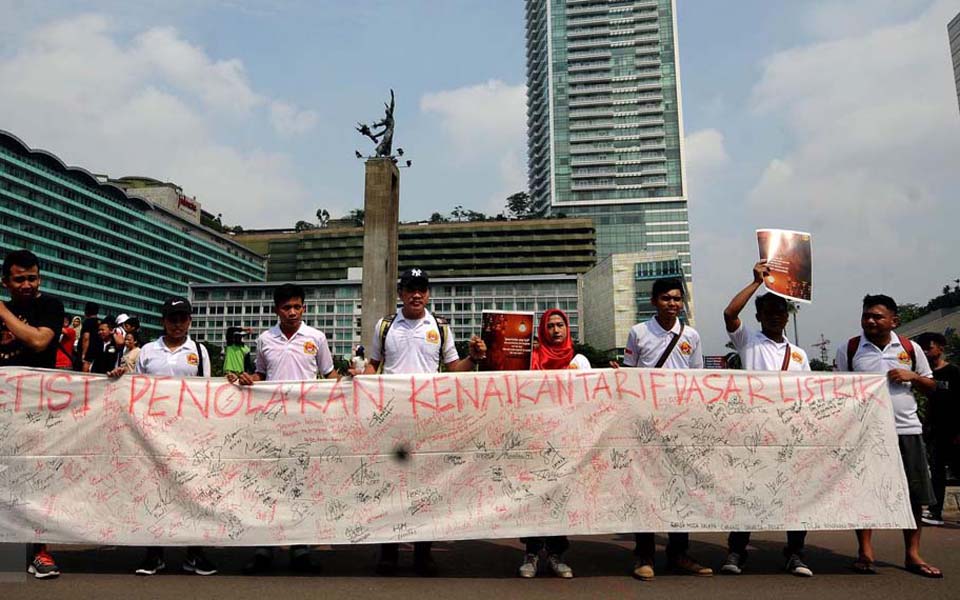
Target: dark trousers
{"points": [[944, 454], [737, 542], [677, 544], [555, 544], [392, 551]]}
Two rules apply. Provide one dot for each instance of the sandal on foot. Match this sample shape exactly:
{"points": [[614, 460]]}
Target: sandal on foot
{"points": [[924, 570], [863, 566]]}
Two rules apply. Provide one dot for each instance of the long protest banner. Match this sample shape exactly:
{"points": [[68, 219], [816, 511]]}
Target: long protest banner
{"points": [[165, 461]]}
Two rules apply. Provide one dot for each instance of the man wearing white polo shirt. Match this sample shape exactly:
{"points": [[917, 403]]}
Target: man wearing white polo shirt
{"points": [[291, 350], [173, 355], [665, 342], [879, 349], [414, 341], [764, 350]]}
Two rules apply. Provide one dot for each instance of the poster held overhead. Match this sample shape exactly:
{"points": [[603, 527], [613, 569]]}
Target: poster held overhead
{"points": [[788, 257], [509, 340]]}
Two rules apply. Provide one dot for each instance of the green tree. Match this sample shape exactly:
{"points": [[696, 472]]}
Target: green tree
{"points": [[323, 218], [438, 218], [598, 359], [519, 205], [357, 216], [818, 365]]}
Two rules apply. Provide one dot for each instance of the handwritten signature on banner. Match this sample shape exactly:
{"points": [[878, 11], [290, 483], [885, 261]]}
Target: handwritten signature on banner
{"points": [[159, 460]]}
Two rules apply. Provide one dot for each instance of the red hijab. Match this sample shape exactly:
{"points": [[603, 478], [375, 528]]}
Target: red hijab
{"points": [[550, 355]]}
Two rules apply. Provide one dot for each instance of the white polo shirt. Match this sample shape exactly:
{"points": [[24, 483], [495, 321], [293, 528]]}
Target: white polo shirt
{"points": [[647, 341], [760, 353], [299, 358], [580, 362], [156, 359], [412, 345], [871, 359]]}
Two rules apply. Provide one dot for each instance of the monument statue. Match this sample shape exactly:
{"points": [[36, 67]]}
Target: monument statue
{"points": [[384, 137]]}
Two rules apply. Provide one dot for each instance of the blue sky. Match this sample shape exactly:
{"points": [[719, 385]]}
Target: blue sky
{"points": [[838, 118]]}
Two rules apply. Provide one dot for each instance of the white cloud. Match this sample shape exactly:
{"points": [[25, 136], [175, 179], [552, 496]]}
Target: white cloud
{"points": [[288, 120], [872, 169], [156, 106], [705, 150], [481, 118], [483, 121]]}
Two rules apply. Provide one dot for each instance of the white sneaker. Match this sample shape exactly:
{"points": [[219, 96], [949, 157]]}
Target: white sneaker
{"points": [[528, 570], [795, 566], [559, 568], [733, 564], [928, 518]]}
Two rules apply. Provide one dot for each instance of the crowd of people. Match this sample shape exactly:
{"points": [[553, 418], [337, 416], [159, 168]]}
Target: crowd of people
{"points": [[34, 332]]}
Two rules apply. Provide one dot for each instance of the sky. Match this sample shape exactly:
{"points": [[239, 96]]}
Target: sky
{"points": [[839, 118]]}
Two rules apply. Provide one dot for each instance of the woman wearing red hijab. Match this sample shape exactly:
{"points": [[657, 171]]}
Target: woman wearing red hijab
{"points": [[555, 351]]}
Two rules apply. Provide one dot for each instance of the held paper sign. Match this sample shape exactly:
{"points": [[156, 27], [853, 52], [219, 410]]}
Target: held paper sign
{"points": [[789, 259], [509, 340], [164, 461]]}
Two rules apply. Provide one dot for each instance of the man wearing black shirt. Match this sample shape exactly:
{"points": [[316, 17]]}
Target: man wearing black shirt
{"points": [[29, 331], [943, 418], [102, 353], [88, 331]]}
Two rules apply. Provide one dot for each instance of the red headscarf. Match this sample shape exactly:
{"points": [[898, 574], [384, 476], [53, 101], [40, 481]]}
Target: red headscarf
{"points": [[550, 355]]}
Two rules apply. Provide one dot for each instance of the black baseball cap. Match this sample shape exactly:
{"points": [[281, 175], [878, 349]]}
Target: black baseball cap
{"points": [[176, 305], [414, 279]]}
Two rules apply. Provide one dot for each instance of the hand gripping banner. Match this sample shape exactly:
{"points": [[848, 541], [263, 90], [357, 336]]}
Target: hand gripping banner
{"points": [[163, 461]]}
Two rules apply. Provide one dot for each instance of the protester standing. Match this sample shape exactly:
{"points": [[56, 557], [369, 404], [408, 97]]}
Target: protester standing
{"points": [[65, 346], [880, 349], [291, 350], [555, 351], [29, 326], [414, 341], [665, 342], [102, 352], [764, 350], [88, 331], [174, 354], [943, 417]]}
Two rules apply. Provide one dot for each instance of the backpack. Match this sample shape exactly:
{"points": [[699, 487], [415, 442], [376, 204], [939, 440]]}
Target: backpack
{"points": [[385, 324], [853, 344]]}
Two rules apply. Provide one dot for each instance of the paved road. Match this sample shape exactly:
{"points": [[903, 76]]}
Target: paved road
{"points": [[485, 570]]}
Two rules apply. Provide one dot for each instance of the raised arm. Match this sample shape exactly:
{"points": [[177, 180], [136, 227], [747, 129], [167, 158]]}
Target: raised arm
{"points": [[731, 314]]}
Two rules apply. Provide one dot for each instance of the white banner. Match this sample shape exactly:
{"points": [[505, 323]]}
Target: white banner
{"points": [[163, 461]]}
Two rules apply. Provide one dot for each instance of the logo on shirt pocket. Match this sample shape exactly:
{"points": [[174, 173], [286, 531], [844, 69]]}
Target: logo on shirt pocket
{"points": [[310, 348], [433, 336], [685, 348], [904, 358], [193, 360], [795, 357]]}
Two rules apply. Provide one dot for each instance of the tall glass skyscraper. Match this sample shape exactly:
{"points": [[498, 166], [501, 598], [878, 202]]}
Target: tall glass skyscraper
{"points": [[605, 128]]}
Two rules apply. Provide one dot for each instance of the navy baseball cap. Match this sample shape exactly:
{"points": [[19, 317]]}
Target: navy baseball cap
{"points": [[414, 279]]}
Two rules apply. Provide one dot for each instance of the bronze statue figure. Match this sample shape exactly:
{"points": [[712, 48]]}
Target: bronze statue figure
{"points": [[384, 137]]}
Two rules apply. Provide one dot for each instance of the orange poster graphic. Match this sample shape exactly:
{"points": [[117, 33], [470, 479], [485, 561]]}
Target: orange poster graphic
{"points": [[509, 340], [788, 257]]}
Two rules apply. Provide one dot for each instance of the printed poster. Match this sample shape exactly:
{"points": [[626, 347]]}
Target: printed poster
{"points": [[788, 257], [509, 340]]}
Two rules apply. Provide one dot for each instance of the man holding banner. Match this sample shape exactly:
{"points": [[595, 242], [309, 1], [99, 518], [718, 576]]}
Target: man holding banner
{"points": [[880, 349], [764, 350], [174, 354], [408, 342], [29, 327], [665, 342], [291, 350]]}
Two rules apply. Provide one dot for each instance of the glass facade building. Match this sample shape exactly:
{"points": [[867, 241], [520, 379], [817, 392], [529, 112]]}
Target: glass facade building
{"points": [[96, 243], [604, 121], [333, 307], [953, 32]]}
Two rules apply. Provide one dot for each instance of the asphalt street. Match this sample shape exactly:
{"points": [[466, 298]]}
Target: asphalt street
{"points": [[487, 569]]}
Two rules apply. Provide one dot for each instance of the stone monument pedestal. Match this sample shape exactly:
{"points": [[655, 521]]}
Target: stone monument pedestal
{"points": [[381, 217]]}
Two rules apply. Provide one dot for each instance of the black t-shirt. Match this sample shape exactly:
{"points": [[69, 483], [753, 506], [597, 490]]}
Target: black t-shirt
{"points": [[945, 402], [102, 356], [44, 311], [90, 325]]}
